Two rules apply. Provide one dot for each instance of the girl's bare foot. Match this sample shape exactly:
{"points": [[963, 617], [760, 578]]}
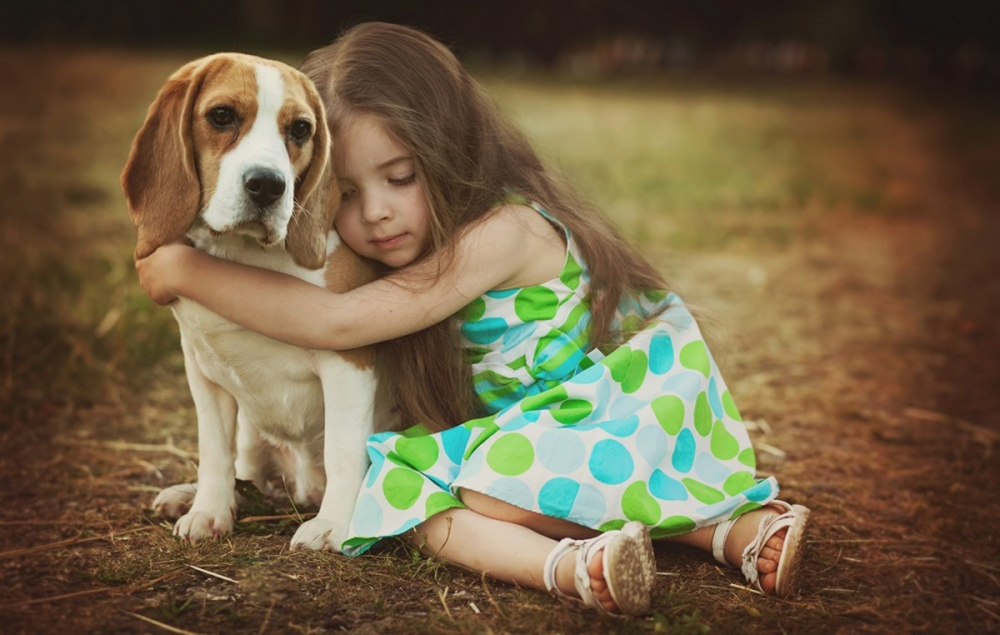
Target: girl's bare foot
{"points": [[744, 532], [613, 572], [599, 586]]}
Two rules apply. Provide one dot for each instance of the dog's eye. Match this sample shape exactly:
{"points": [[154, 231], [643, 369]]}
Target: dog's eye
{"points": [[300, 130], [222, 116]]}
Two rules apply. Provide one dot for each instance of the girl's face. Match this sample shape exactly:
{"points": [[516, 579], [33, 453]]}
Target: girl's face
{"points": [[383, 211]]}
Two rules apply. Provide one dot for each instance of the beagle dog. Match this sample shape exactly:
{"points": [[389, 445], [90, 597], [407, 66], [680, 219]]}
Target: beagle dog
{"points": [[234, 155]]}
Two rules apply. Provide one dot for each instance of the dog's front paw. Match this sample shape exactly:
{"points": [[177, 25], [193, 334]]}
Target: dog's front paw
{"points": [[197, 526], [320, 534], [175, 501]]}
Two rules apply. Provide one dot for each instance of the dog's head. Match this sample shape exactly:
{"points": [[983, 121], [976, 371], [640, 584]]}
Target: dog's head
{"points": [[239, 145]]}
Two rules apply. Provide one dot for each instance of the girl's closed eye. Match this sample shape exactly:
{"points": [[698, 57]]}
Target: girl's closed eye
{"points": [[405, 180]]}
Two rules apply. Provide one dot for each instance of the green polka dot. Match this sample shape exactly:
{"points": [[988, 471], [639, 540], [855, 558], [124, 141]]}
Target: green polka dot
{"points": [[618, 363], [730, 406], [636, 372], [511, 455], [572, 410], [748, 458], [738, 482], [724, 445], [702, 415], [420, 452], [639, 504], [632, 324], [695, 357], [656, 296], [612, 525], [536, 303], [475, 354], [401, 487], [744, 508], [542, 399], [473, 311], [669, 411], [570, 274], [418, 430], [438, 502], [672, 526], [704, 493]]}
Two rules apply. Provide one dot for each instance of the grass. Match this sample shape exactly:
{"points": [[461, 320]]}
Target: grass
{"points": [[737, 187]]}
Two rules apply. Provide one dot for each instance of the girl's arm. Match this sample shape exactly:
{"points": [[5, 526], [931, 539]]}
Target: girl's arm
{"points": [[494, 253]]}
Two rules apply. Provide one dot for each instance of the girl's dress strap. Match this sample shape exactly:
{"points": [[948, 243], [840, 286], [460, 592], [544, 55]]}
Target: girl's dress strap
{"points": [[518, 199]]}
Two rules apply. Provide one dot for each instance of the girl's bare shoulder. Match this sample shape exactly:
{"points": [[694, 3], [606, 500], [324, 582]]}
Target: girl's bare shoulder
{"points": [[533, 248]]}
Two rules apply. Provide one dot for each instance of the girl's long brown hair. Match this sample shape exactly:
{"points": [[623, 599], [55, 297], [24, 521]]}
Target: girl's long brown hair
{"points": [[468, 158]]}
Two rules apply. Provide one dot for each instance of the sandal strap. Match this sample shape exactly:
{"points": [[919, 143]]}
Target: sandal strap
{"points": [[581, 577], [552, 561], [719, 540], [768, 527]]}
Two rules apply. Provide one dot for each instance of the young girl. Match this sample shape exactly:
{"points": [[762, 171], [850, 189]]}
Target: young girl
{"points": [[596, 417]]}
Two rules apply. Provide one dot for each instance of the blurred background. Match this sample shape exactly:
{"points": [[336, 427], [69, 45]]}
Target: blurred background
{"points": [[821, 180], [915, 39]]}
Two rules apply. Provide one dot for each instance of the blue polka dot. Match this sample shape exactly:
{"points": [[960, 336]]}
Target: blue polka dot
{"points": [[652, 444], [517, 334], [590, 506], [484, 331], [513, 491], [589, 376], [373, 471], [610, 462], [684, 449], [500, 294], [367, 520], [560, 450], [666, 488], [677, 315], [471, 466], [602, 395], [621, 427], [556, 497], [709, 469], [625, 406], [685, 385], [759, 492], [713, 398], [521, 420], [661, 353], [455, 440]]}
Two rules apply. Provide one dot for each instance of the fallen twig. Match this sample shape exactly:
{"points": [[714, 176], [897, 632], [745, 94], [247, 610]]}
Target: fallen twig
{"points": [[167, 447], [165, 627], [70, 541], [213, 574]]}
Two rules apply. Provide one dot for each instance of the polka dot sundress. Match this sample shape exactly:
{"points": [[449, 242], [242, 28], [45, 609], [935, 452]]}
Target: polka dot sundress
{"points": [[646, 431]]}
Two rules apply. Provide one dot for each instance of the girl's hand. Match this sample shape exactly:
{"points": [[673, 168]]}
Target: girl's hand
{"points": [[158, 272]]}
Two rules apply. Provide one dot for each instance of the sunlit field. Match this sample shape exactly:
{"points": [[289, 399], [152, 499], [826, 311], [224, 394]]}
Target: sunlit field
{"points": [[837, 234]]}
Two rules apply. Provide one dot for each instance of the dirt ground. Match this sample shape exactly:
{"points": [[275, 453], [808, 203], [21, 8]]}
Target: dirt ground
{"points": [[864, 356]]}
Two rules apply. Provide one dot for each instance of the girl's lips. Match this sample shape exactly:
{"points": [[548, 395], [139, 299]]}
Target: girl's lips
{"points": [[390, 242]]}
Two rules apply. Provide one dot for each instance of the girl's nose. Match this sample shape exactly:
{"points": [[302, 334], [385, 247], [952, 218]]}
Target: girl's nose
{"points": [[375, 210]]}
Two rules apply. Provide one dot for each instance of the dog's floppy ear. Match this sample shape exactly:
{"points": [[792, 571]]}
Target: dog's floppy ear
{"points": [[317, 195], [160, 179]]}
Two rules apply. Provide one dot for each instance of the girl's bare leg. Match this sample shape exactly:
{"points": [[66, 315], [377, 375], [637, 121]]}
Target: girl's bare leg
{"points": [[507, 543]]}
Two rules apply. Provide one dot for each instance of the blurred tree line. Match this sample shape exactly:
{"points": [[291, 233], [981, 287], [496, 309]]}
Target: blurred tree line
{"points": [[916, 36]]}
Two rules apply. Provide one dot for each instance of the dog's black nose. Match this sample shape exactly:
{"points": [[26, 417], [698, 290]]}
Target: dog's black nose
{"points": [[264, 186]]}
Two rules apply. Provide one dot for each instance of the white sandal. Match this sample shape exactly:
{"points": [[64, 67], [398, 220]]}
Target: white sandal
{"points": [[629, 568], [795, 518]]}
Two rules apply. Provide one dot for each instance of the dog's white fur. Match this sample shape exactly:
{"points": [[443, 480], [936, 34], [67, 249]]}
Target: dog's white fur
{"points": [[267, 412]]}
